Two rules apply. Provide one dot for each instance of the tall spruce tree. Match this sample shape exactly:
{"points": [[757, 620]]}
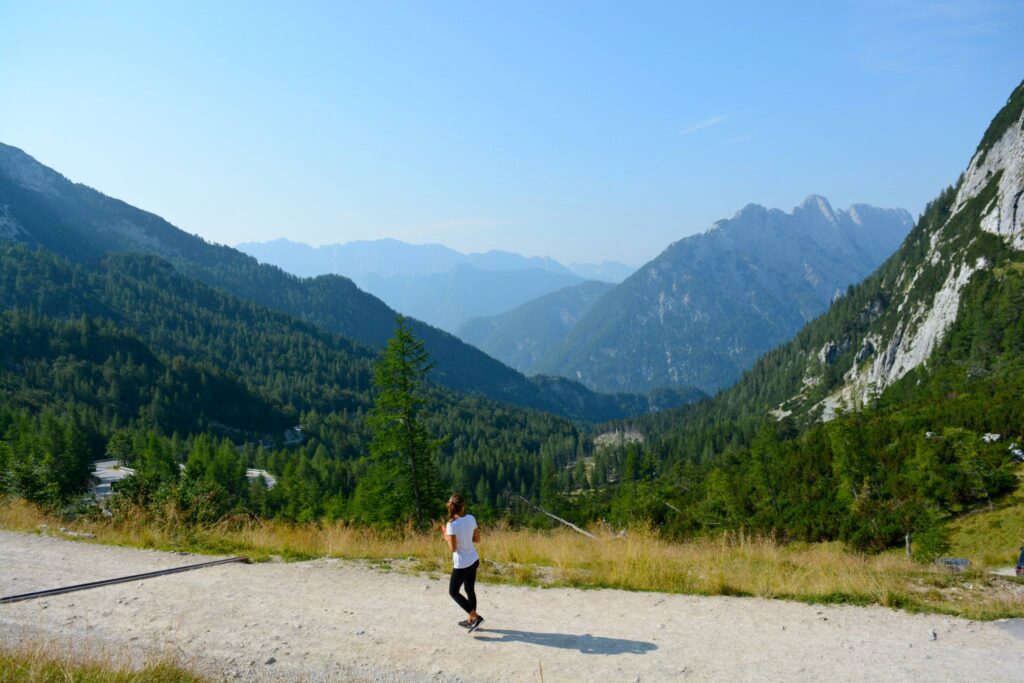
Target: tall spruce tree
{"points": [[401, 443]]}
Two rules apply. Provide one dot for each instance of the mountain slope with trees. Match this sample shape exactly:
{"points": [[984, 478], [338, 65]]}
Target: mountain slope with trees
{"points": [[889, 324], [40, 207], [524, 335], [129, 350]]}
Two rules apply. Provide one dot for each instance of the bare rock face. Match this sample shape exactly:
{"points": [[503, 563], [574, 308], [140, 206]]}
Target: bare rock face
{"points": [[916, 336], [1004, 215], [924, 296]]}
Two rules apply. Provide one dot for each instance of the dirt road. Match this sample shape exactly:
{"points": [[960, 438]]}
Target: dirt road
{"points": [[332, 620]]}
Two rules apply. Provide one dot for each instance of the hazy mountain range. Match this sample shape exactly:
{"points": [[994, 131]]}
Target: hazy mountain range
{"points": [[449, 299], [390, 258], [434, 283]]}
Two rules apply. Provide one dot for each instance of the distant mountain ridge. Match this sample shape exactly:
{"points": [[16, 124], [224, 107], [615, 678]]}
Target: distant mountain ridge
{"points": [[449, 299], [394, 258], [432, 282], [895, 412], [42, 208], [386, 258], [708, 306]]}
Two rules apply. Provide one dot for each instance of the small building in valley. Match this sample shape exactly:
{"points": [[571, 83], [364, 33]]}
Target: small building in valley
{"points": [[105, 473], [253, 474]]}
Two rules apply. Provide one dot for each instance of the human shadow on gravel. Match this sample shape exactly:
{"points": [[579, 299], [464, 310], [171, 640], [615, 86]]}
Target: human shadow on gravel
{"points": [[1015, 627], [585, 643]]}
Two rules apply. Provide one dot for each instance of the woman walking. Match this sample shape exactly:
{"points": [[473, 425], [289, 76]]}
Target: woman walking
{"points": [[460, 533]]}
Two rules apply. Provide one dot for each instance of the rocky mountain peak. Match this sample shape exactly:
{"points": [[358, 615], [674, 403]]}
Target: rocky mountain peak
{"points": [[750, 211], [815, 205]]}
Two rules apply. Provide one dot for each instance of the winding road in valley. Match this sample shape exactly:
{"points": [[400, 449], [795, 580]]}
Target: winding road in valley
{"points": [[330, 620]]}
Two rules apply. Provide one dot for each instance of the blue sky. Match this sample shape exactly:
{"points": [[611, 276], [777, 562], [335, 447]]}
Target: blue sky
{"points": [[581, 130]]}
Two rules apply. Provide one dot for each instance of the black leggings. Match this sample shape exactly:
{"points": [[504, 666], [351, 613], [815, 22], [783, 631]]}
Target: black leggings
{"points": [[467, 576]]}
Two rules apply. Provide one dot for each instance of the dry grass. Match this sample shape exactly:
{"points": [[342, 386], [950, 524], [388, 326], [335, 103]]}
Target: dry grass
{"points": [[729, 564], [50, 663]]}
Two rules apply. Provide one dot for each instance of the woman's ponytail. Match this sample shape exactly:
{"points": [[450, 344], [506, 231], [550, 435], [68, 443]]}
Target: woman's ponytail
{"points": [[456, 506]]}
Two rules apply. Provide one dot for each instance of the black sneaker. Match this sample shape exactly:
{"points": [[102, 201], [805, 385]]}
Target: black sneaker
{"points": [[476, 624], [464, 623]]}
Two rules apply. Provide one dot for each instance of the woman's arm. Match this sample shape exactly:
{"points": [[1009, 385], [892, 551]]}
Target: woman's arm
{"points": [[448, 538], [476, 535]]}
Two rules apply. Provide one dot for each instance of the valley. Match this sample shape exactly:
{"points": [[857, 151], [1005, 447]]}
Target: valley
{"points": [[806, 444], [543, 296]]}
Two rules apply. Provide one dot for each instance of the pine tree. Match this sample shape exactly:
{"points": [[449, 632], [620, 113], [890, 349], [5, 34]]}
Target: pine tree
{"points": [[400, 437]]}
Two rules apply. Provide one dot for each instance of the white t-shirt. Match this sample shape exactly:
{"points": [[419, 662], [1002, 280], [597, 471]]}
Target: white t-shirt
{"points": [[465, 552]]}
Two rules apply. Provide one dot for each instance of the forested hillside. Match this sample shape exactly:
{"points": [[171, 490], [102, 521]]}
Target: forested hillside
{"points": [[40, 207], [92, 353], [521, 337]]}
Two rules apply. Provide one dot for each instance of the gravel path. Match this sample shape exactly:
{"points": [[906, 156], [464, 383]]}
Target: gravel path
{"points": [[331, 620]]}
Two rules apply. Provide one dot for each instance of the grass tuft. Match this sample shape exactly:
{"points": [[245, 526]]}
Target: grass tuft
{"points": [[46, 663]]}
